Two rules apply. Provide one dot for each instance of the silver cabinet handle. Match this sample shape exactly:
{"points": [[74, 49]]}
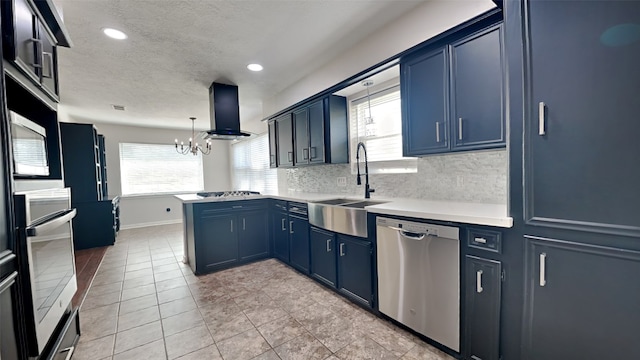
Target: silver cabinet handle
{"points": [[50, 57], [237, 206], [290, 227], [479, 281], [305, 154], [328, 245], [341, 249], [480, 240], [38, 43], [283, 226], [231, 225], [437, 131], [459, 128], [244, 227], [290, 156], [543, 269], [541, 116], [312, 153], [61, 217]]}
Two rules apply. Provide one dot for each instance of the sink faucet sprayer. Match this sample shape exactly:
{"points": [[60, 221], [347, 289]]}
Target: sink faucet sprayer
{"points": [[367, 189]]}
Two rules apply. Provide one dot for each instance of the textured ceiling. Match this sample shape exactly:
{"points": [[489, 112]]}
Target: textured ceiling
{"points": [[175, 49]]}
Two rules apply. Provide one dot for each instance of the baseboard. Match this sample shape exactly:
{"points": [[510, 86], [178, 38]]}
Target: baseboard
{"points": [[155, 223]]}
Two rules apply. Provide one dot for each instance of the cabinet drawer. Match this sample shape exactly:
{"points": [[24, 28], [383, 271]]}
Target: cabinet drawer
{"points": [[280, 205], [298, 208], [223, 206], [485, 239]]}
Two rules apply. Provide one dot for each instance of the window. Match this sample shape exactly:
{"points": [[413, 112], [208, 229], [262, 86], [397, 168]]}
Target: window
{"points": [[158, 169], [381, 132], [250, 163]]}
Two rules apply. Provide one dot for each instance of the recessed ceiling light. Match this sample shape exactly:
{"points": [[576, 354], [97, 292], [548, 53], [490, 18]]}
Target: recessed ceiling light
{"points": [[114, 34], [254, 67]]}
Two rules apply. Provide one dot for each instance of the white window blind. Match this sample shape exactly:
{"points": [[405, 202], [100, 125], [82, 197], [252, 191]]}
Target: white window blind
{"points": [[380, 131], [250, 162], [158, 169]]}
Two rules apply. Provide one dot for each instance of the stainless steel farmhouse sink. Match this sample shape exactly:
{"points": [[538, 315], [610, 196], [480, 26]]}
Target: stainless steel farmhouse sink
{"points": [[343, 216]]}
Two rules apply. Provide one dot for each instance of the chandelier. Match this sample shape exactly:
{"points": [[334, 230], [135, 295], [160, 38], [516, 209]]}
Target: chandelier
{"points": [[193, 146]]}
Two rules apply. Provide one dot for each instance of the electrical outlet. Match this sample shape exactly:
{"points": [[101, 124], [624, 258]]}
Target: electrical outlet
{"points": [[342, 181], [460, 181]]}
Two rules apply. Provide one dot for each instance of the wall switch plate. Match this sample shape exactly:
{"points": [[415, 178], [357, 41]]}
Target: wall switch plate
{"points": [[342, 181]]}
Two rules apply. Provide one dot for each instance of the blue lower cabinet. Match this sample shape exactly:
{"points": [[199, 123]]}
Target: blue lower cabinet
{"points": [[355, 269], [323, 256], [280, 235], [217, 244], [253, 229], [299, 243]]}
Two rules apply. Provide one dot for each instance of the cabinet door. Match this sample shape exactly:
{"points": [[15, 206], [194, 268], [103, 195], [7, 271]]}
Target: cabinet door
{"points": [[316, 132], [273, 149], [584, 84], [581, 301], [323, 256], [424, 87], [253, 237], [217, 242], [285, 140], [49, 62], [280, 233], [477, 91], [355, 269], [482, 310], [8, 343], [301, 138], [26, 45], [299, 243]]}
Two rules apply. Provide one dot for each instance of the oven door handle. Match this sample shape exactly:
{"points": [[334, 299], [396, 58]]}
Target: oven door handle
{"points": [[52, 223]]}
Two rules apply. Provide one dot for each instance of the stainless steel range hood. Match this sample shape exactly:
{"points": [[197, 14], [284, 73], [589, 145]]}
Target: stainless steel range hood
{"points": [[224, 110]]}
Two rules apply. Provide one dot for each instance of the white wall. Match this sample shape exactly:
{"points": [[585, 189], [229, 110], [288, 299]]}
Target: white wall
{"points": [[420, 24], [140, 211]]}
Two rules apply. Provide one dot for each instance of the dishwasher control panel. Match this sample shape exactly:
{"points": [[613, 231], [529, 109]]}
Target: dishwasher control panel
{"points": [[419, 227]]}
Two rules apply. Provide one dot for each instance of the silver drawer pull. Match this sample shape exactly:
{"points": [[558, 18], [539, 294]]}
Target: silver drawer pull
{"points": [[479, 281], [231, 225], [237, 206], [341, 249], [541, 116], [328, 245], [437, 131], [480, 240], [459, 128], [244, 227], [290, 227], [49, 56], [543, 269]]}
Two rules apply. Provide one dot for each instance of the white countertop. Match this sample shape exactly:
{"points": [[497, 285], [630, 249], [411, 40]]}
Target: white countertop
{"points": [[462, 212]]}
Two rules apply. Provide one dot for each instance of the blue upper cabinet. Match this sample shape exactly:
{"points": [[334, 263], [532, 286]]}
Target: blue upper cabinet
{"points": [[582, 81], [424, 94], [477, 91], [452, 97]]}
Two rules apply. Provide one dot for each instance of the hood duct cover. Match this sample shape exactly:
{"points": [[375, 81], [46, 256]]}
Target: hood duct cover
{"points": [[224, 109]]}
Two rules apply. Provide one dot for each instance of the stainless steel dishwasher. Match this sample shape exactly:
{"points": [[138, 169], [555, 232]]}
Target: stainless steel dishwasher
{"points": [[419, 277]]}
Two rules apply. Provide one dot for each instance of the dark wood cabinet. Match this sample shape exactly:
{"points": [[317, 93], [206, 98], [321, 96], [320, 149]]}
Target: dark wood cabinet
{"points": [[425, 93], [355, 269], [82, 156], [29, 44], [9, 346], [453, 96], [280, 234], [581, 301], [218, 244], [319, 134], [273, 141], [284, 130], [323, 256], [482, 308], [309, 134], [477, 91], [299, 243], [226, 233], [581, 111], [253, 239]]}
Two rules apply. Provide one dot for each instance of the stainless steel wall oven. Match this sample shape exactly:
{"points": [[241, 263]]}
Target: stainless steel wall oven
{"points": [[45, 247]]}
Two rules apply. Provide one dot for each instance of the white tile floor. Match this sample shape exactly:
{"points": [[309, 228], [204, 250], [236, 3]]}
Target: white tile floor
{"points": [[145, 304]]}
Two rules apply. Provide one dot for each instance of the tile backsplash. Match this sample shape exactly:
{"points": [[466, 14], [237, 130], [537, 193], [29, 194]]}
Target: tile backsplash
{"points": [[470, 177]]}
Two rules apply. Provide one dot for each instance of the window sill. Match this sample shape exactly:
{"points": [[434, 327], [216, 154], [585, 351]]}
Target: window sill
{"points": [[157, 195]]}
